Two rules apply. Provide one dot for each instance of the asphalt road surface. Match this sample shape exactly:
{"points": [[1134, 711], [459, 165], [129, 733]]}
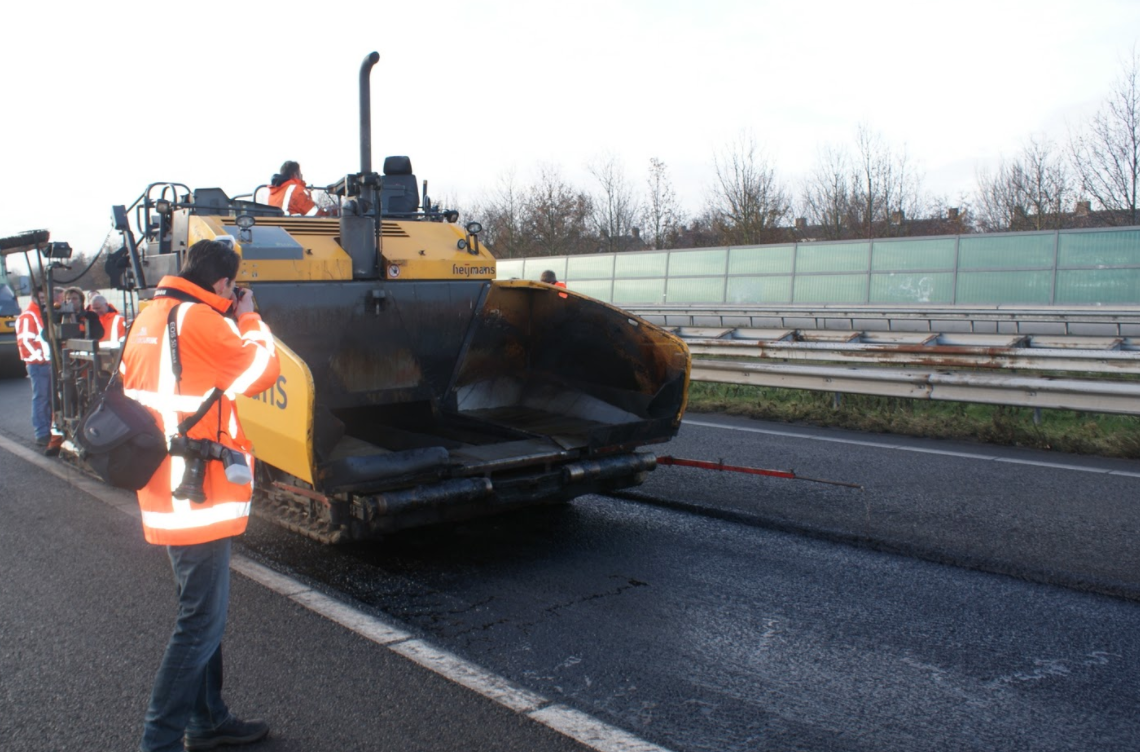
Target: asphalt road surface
{"points": [[745, 613]]}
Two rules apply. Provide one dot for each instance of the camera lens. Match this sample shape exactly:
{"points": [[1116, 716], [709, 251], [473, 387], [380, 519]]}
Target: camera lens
{"points": [[193, 478]]}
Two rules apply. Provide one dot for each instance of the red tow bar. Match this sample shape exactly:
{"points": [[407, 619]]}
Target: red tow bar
{"points": [[789, 474]]}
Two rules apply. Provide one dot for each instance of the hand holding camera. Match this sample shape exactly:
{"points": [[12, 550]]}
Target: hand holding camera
{"points": [[243, 301]]}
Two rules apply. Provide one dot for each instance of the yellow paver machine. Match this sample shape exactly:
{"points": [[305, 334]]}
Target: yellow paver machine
{"points": [[416, 388]]}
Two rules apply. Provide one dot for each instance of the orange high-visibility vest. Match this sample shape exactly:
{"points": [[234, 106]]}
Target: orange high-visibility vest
{"points": [[294, 198], [237, 358], [114, 328], [30, 335]]}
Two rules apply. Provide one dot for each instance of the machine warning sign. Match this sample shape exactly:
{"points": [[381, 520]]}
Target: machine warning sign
{"points": [[393, 271]]}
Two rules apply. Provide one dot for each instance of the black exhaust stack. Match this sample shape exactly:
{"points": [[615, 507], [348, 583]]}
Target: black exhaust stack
{"points": [[360, 226], [366, 112]]}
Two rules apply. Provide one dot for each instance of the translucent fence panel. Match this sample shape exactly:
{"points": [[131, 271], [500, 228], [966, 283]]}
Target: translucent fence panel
{"points": [[830, 288], [536, 266], [905, 255], [767, 259], [1101, 248], [694, 290], [1098, 287], [640, 265], [1071, 267], [596, 288], [912, 288], [628, 291], [697, 263], [744, 290], [1011, 250], [1005, 287], [510, 268], [832, 257], [590, 267]]}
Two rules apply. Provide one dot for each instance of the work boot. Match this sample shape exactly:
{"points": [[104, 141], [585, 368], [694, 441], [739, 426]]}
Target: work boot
{"points": [[233, 731], [53, 446], [42, 440]]}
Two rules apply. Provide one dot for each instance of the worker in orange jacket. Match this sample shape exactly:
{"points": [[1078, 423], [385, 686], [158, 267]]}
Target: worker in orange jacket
{"points": [[550, 278], [287, 191], [216, 352], [31, 340], [114, 327]]}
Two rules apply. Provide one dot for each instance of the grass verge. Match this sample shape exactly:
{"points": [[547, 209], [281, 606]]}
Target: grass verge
{"points": [[1061, 430]]}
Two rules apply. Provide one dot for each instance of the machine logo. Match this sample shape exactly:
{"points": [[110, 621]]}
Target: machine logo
{"points": [[472, 271], [275, 395]]}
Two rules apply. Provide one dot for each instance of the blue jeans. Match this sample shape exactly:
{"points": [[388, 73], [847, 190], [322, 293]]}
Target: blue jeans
{"points": [[187, 694], [40, 374]]}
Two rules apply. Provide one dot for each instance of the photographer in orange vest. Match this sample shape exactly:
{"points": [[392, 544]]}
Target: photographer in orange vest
{"points": [[199, 498]]}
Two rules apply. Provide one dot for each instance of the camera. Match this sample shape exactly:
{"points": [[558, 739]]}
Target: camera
{"points": [[196, 452]]}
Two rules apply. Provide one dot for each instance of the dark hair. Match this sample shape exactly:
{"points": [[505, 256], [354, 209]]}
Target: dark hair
{"points": [[289, 170], [548, 277], [207, 261]]}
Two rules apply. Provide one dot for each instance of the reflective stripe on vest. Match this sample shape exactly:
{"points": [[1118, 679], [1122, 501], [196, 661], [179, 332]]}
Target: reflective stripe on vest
{"points": [[260, 362], [185, 403], [187, 515], [35, 349], [288, 199]]}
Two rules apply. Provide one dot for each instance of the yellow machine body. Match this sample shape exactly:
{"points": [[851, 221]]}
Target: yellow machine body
{"points": [[415, 388]]}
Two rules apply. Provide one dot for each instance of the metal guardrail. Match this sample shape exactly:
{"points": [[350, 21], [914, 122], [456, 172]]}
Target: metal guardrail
{"points": [[994, 389], [1106, 356], [998, 319], [1005, 369]]}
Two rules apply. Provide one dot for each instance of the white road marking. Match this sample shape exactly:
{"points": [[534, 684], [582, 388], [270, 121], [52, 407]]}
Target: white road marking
{"points": [[571, 723], [496, 688], [590, 731], [919, 450]]}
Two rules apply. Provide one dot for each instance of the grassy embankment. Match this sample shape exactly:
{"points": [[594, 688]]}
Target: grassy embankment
{"points": [[1060, 430]]}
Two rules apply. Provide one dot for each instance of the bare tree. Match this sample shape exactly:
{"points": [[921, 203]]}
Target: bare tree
{"points": [[614, 208], [748, 202], [826, 196], [997, 199], [1106, 156], [661, 214], [503, 219], [885, 189], [557, 216], [1032, 192]]}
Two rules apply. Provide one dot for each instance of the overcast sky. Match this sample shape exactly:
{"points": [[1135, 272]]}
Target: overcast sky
{"points": [[102, 98]]}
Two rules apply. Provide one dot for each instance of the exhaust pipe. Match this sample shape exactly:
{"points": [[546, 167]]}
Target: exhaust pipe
{"points": [[366, 112]]}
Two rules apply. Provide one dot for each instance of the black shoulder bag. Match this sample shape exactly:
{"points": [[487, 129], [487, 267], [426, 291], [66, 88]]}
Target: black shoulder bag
{"points": [[119, 437]]}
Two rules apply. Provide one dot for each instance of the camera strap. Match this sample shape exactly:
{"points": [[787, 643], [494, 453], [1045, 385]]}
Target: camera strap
{"points": [[176, 365]]}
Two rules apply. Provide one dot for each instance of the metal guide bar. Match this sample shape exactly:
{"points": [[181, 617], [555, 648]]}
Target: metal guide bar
{"points": [[1098, 357], [1119, 321], [995, 389]]}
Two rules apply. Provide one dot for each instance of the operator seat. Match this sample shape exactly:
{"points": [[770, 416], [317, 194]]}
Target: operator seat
{"points": [[399, 194]]}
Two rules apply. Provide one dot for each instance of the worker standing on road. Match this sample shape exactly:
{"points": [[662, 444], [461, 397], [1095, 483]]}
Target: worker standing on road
{"points": [[31, 338], [114, 328], [234, 357], [287, 191]]}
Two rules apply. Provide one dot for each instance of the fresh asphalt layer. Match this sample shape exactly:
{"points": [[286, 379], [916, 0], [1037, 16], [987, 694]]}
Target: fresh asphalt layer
{"points": [[1061, 519], [717, 637], [86, 607]]}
